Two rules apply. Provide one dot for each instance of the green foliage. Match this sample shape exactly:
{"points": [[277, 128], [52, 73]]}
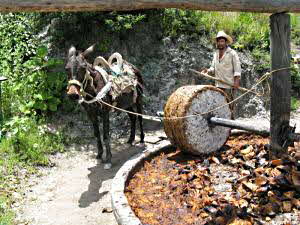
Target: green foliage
{"points": [[177, 21], [295, 24], [295, 103], [172, 23], [33, 84], [251, 30], [42, 87], [118, 22], [29, 142], [6, 215], [262, 60]]}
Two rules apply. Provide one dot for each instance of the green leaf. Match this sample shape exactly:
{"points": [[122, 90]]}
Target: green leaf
{"points": [[54, 62], [53, 107], [55, 101], [38, 96], [42, 51], [40, 105], [30, 104], [23, 108]]}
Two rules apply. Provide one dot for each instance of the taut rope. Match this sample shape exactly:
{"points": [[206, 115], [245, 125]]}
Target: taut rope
{"points": [[157, 118]]}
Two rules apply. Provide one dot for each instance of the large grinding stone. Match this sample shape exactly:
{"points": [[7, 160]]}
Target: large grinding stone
{"points": [[193, 133]]}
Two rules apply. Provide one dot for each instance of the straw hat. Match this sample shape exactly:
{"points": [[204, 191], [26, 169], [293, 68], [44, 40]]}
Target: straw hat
{"points": [[224, 35]]}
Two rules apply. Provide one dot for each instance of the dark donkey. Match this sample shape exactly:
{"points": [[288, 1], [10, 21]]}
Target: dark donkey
{"points": [[85, 90]]}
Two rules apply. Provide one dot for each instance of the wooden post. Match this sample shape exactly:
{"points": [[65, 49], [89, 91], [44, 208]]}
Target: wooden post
{"points": [[281, 82]]}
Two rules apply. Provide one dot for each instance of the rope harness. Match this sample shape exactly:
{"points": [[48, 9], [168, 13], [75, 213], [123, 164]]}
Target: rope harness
{"points": [[83, 85], [157, 118]]}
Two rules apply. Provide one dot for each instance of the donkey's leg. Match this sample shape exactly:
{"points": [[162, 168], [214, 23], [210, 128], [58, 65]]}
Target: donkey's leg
{"points": [[132, 126], [139, 108], [95, 122], [106, 139]]}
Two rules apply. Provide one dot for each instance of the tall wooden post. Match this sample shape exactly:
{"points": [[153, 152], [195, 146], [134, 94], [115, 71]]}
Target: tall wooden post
{"points": [[281, 82]]}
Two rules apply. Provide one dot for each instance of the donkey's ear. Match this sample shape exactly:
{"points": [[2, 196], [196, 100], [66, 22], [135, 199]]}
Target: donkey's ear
{"points": [[72, 51], [89, 50]]}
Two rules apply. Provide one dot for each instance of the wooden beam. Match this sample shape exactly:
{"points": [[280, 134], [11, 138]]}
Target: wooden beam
{"points": [[281, 82], [235, 124], [268, 6]]}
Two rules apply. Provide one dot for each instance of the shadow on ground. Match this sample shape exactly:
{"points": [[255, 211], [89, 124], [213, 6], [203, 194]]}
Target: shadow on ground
{"points": [[98, 175]]}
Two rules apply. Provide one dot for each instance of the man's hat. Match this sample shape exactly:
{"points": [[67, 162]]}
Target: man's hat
{"points": [[224, 35]]}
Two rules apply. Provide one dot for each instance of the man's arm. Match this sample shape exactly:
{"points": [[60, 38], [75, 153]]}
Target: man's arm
{"points": [[236, 82]]}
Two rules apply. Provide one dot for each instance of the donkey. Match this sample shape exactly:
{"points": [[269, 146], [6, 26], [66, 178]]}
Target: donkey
{"points": [[84, 90]]}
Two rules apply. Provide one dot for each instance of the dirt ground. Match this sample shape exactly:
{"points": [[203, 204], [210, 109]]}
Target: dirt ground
{"points": [[76, 189]]}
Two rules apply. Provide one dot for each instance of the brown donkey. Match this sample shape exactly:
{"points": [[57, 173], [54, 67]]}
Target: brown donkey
{"points": [[85, 83]]}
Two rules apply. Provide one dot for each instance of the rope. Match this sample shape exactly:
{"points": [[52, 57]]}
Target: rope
{"points": [[157, 118], [154, 118]]}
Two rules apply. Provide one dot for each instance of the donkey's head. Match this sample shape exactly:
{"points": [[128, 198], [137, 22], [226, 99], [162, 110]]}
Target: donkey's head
{"points": [[76, 68]]}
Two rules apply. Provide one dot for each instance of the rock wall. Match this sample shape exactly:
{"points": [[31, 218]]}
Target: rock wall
{"points": [[164, 61]]}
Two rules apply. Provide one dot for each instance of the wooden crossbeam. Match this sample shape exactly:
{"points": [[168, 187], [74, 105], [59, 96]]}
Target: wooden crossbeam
{"points": [[123, 5]]}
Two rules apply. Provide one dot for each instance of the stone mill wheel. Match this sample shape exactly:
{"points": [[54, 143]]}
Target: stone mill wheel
{"points": [[193, 133]]}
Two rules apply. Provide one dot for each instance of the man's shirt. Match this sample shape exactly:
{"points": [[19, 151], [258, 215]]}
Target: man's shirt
{"points": [[226, 68]]}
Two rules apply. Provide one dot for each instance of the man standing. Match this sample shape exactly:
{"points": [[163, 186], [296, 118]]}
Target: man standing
{"points": [[225, 66]]}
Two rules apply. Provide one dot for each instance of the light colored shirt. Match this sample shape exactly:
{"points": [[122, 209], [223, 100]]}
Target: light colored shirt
{"points": [[226, 68]]}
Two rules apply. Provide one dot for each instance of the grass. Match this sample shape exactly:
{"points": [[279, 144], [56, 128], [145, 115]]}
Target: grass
{"points": [[6, 215], [26, 145]]}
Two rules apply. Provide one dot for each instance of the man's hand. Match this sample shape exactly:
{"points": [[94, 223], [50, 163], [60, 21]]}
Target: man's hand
{"points": [[236, 82]]}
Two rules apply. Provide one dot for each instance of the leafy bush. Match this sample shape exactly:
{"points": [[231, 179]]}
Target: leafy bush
{"points": [[42, 87], [29, 142], [117, 22], [33, 85], [176, 21], [252, 31]]}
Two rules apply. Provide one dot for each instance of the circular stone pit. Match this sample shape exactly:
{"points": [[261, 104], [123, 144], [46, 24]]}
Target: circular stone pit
{"points": [[125, 215], [121, 208]]}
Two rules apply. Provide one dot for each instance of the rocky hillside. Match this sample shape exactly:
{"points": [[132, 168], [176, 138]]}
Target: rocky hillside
{"points": [[164, 61]]}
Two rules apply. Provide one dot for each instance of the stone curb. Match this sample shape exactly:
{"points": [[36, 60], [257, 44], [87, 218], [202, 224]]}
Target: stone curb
{"points": [[121, 208]]}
